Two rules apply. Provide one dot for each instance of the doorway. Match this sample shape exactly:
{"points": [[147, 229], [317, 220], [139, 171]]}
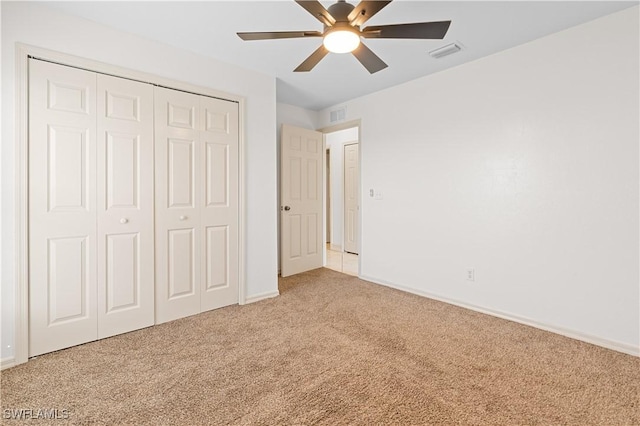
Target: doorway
{"points": [[312, 199], [343, 200]]}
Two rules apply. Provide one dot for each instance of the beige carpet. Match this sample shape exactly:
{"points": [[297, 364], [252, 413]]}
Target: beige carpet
{"points": [[333, 350]]}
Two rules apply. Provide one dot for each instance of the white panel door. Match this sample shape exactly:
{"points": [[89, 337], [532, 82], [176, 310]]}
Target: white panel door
{"points": [[302, 153], [177, 182], [218, 186], [125, 205], [351, 198], [62, 207]]}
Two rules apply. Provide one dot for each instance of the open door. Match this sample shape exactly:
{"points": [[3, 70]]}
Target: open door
{"points": [[301, 238]]}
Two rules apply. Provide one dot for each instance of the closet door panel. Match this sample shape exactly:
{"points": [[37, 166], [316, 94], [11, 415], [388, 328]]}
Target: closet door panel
{"points": [[178, 228], [181, 263], [219, 162], [125, 205], [62, 207]]}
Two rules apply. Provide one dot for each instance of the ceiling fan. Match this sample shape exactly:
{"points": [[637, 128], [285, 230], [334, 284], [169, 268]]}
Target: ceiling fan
{"points": [[342, 33]]}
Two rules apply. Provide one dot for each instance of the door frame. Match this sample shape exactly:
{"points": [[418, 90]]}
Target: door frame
{"points": [[21, 261], [357, 123]]}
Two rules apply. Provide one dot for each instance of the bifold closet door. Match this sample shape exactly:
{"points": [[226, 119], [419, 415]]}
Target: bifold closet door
{"points": [[196, 203], [125, 205], [62, 207], [178, 236], [220, 197], [90, 206]]}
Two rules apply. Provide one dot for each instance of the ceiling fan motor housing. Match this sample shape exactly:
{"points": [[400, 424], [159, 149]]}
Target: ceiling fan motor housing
{"points": [[340, 11]]}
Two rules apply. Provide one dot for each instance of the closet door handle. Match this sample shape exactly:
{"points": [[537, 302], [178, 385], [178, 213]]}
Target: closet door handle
{"points": [[183, 218], [124, 220]]}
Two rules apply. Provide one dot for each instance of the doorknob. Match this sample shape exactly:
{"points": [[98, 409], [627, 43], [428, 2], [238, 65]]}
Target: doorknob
{"points": [[124, 220], [287, 208], [183, 218]]}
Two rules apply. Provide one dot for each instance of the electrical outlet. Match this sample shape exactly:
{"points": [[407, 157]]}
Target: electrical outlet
{"points": [[471, 274]]}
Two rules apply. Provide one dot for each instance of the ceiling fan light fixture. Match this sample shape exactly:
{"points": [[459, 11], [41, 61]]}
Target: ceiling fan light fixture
{"points": [[341, 40]]}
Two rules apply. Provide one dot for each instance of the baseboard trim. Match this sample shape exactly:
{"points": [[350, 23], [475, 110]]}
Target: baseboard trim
{"points": [[7, 363], [261, 296], [594, 340]]}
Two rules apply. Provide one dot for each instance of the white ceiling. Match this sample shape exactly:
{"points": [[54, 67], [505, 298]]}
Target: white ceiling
{"points": [[208, 28]]}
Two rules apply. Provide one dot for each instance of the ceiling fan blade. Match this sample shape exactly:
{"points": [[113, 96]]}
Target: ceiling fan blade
{"points": [[318, 11], [365, 10], [278, 34], [312, 60], [419, 30], [370, 60]]}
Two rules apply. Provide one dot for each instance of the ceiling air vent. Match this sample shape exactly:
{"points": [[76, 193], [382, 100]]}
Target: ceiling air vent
{"points": [[338, 115], [445, 50]]}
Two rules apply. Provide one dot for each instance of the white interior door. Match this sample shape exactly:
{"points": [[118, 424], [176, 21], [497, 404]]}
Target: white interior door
{"points": [[125, 205], [177, 172], [302, 153], [62, 207], [218, 158], [351, 198]]}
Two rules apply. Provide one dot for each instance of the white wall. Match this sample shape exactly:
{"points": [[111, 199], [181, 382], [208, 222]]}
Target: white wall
{"points": [[295, 116], [40, 26], [522, 165], [4, 352], [335, 143]]}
